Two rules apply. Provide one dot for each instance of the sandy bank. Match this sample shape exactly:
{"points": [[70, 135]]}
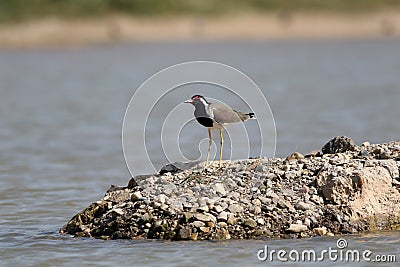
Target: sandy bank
{"points": [[57, 32]]}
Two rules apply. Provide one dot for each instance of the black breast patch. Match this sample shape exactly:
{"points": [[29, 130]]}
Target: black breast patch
{"points": [[205, 121]]}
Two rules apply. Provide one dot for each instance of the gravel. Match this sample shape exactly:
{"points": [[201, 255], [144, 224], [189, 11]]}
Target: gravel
{"points": [[342, 189]]}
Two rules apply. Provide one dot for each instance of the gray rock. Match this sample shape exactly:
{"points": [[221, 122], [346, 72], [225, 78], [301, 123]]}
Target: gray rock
{"points": [[339, 144]]}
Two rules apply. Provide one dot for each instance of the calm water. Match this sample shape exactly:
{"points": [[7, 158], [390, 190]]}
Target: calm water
{"points": [[60, 137]]}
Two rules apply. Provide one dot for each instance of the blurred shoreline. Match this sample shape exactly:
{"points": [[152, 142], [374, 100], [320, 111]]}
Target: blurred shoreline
{"points": [[56, 32]]}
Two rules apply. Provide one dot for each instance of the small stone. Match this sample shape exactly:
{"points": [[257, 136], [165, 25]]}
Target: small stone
{"points": [[366, 144], [316, 199], [187, 216], [235, 208], [222, 234], [147, 225], [146, 217], [297, 228], [118, 211], [210, 224], [282, 203], [363, 153], [384, 155], [198, 224], [162, 198], [250, 223], [202, 217], [307, 222], [169, 188], [261, 168], [194, 236], [222, 224], [295, 155], [203, 208], [320, 231], [223, 216], [271, 176], [205, 217], [260, 221], [257, 210], [205, 229], [256, 202], [219, 188], [184, 233], [136, 196], [330, 234], [303, 206], [231, 219], [218, 208], [264, 200]]}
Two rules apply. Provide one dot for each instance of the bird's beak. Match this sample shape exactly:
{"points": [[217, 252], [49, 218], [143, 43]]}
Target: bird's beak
{"points": [[189, 101]]}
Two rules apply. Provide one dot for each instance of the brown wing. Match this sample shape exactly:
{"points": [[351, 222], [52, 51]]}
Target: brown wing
{"points": [[224, 114]]}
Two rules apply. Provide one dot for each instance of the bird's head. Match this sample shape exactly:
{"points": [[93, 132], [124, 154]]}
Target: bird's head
{"points": [[197, 100]]}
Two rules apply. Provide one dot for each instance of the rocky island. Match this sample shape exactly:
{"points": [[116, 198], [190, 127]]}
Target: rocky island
{"points": [[342, 189]]}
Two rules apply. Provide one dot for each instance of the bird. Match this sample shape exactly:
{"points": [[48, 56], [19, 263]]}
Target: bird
{"points": [[216, 116]]}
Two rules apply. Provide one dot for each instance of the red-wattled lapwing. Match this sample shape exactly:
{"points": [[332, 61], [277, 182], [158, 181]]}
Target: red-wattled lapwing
{"points": [[216, 116]]}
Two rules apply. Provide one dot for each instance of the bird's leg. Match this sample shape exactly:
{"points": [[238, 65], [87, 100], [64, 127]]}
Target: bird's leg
{"points": [[209, 145], [222, 145]]}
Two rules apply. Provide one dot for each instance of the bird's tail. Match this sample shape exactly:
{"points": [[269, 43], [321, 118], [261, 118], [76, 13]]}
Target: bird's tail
{"points": [[251, 115], [246, 116]]}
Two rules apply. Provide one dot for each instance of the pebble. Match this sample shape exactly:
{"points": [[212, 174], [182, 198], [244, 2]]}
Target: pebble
{"points": [[203, 217], [297, 228], [231, 219], [205, 229], [250, 223], [223, 216], [261, 168], [222, 224], [203, 208], [169, 188], [303, 206], [219, 188], [218, 208], [136, 196], [235, 208], [320, 231], [260, 221], [198, 224]]}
